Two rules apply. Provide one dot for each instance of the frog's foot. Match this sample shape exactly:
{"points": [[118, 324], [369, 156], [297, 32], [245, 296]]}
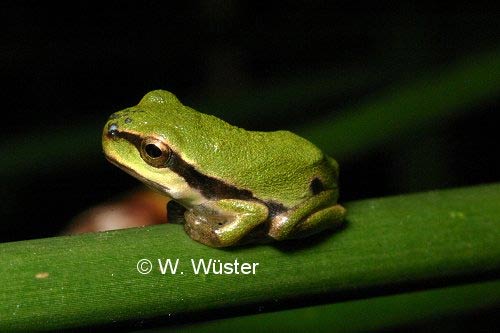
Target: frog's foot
{"points": [[224, 222], [312, 216]]}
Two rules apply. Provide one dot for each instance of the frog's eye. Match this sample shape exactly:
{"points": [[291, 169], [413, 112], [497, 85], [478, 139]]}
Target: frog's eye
{"points": [[155, 152]]}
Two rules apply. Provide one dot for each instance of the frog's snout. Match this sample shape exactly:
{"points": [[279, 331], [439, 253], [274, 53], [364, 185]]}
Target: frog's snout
{"points": [[121, 117]]}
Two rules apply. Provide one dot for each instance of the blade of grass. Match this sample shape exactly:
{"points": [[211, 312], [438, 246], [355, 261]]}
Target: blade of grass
{"points": [[389, 245]]}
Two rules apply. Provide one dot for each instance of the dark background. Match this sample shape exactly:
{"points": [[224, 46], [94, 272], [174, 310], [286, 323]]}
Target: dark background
{"points": [[66, 68]]}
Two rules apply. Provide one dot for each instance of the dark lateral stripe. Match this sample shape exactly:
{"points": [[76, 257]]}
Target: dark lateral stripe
{"points": [[210, 187], [133, 138]]}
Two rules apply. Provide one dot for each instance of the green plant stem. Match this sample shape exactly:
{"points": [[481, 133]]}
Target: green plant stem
{"points": [[388, 245]]}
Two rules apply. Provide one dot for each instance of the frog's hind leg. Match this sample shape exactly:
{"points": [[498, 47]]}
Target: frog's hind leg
{"points": [[312, 216]]}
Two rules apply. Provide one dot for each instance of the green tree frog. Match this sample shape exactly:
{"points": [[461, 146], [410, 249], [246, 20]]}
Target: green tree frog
{"points": [[235, 185]]}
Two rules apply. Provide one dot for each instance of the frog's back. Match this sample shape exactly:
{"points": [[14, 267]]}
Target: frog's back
{"points": [[280, 165]]}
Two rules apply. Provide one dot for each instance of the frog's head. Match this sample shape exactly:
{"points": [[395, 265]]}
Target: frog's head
{"points": [[144, 141]]}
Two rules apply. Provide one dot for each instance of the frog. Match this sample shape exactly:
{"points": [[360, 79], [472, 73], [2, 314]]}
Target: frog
{"points": [[233, 186]]}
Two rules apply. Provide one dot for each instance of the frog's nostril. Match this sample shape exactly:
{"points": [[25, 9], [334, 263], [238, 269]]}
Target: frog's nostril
{"points": [[112, 129]]}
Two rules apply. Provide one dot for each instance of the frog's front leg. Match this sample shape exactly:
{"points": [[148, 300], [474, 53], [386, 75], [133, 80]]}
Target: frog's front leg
{"points": [[318, 213], [224, 222]]}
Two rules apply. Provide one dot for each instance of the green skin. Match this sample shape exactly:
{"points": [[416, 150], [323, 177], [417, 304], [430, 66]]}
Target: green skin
{"points": [[236, 186]]}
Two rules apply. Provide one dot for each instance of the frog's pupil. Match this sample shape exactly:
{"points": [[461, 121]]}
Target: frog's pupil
{"points": [[153, 151]]}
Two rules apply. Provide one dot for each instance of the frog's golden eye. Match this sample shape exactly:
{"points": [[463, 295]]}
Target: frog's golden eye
{"points": [[155, 152]]}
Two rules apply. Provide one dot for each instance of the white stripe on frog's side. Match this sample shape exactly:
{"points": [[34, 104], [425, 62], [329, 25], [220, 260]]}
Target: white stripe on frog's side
{"points": [[178, 188], [180, 191]]}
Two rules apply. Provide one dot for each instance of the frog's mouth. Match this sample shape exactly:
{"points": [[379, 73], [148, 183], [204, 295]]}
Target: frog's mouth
{"points": [[135, 174]]}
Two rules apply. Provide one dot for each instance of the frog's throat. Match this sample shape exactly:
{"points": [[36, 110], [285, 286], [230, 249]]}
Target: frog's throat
{"points": [[210, 187]]}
